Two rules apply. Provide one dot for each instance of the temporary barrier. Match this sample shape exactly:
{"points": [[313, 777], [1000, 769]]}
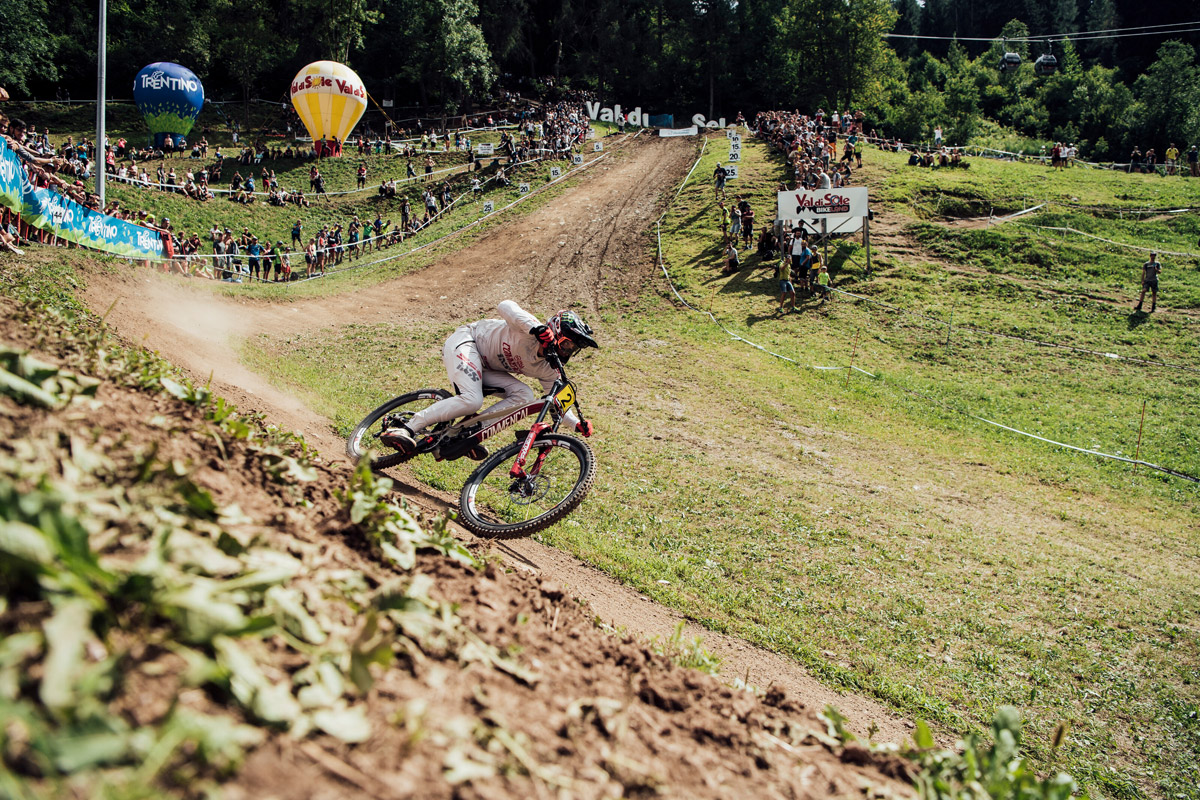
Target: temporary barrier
{"points": [[66, 219]]}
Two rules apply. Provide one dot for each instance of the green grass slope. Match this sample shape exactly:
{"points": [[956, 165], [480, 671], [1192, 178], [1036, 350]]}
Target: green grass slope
{"points": [[882, 539]]}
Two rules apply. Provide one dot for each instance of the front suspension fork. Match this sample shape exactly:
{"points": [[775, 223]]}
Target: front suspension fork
{"points": [[518, 468]]}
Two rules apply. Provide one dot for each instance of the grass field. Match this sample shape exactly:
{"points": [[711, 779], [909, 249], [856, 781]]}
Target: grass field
{"points": [[879, 537], [888, 543]]}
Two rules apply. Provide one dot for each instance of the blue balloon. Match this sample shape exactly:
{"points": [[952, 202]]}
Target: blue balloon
{"points": [[170, 97]]}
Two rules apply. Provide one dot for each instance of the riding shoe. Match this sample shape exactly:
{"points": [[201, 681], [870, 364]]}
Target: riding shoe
{"points": [[400, 438]]}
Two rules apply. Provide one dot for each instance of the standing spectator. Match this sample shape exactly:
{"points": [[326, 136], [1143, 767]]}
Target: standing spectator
{"points": [[747, 223], [361, 174], [219, 252], [310, 257], [254, 253], [234, 264], [1172, 158], [719, 175], [801, 256], [283, 267], [1193, 158], [378, 225], [937, 136], [823, 284], [786, 289], [1150, 271], [735, 224]]}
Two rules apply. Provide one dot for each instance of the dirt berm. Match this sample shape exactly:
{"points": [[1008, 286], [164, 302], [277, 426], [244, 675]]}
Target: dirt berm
{"points": [[562, 709]]}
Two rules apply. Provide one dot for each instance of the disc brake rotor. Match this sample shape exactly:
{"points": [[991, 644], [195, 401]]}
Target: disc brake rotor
{"points": [[528, 490]]}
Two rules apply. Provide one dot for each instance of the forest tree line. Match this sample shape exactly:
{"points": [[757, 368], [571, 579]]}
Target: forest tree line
{"points": [[715, 57]]}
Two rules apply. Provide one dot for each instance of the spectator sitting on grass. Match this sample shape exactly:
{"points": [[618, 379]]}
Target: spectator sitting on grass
{"points": [[732, 262]]}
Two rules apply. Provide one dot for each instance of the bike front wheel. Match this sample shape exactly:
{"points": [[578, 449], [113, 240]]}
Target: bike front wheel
{"points": [[496, 505], [365, 437]]}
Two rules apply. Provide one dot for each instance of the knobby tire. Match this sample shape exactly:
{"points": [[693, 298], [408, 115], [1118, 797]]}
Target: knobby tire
{"points": [[355, 448], [472, 521]]}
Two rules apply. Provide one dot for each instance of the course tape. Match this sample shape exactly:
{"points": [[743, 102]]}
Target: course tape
{"points": [[1110, 241], [1015, 337], [969, 415]]}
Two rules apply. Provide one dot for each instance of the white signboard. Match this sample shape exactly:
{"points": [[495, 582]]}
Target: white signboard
{"points": [[597, 147], [489, 206], [555, 173], [826, 210], [485, 149], [692, 131], [735, 155], [523, 188], [731, 172], [591, 134], [730, 133], [577, 159]]}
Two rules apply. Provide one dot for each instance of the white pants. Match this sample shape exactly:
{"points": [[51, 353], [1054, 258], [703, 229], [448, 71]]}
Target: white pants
{"points": [[464, 366]]}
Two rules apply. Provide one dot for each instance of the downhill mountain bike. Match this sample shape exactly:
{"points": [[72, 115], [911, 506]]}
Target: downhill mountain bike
{"points": [[524, 486]]}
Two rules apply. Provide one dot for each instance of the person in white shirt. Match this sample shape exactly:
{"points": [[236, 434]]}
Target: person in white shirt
{"points": [[486, 353]]}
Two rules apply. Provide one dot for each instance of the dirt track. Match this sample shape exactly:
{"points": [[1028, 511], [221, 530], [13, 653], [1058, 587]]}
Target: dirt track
{"points": [[584, 247]]}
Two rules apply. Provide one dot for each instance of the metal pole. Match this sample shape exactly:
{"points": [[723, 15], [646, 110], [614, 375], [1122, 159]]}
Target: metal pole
{"points": [[101, 62], [1138, 453]]}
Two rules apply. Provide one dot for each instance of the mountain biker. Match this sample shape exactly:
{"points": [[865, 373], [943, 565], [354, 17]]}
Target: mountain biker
{"points": [[486, 353]]}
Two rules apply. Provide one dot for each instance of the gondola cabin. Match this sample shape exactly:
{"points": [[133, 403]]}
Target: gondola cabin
{"points": [[1045, 65], [1010, 61]]}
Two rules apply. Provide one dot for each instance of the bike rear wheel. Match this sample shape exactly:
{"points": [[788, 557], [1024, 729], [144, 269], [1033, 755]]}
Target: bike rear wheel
{"points": [[494, 504], [365, 437]]}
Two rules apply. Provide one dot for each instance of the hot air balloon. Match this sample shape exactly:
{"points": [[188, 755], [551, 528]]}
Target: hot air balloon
{"points": [[169, 97], [330, 100]]}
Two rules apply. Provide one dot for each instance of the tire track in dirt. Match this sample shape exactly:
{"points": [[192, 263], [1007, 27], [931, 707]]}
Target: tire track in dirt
{"points": [[602, 219]]}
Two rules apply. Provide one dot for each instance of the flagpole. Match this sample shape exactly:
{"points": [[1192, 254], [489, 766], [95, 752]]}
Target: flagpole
{"points": [[101, 162]]}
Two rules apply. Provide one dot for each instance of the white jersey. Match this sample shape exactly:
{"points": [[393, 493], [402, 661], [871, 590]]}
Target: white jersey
{"points": [[505, 344], [487, 352]]}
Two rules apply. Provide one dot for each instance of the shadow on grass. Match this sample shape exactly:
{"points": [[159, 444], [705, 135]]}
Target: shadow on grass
{"points": [[1137, 318]]}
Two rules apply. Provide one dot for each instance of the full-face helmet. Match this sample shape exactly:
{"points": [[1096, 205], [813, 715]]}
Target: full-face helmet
{"points": [[571, 333]]}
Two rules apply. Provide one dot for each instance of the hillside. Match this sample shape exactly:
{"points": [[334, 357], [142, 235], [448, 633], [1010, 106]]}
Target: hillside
{"points": [[887, 546], [216, 605]]}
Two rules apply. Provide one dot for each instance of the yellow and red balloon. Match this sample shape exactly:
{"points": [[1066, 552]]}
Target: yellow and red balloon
{"points": [[330, 99]]}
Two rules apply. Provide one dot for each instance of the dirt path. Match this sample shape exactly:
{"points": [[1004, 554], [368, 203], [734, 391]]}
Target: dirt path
{"points": [[585, 247]]}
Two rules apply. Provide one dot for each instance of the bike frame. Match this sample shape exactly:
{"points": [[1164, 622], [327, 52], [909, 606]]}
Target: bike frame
{"points": [[494, 422]]}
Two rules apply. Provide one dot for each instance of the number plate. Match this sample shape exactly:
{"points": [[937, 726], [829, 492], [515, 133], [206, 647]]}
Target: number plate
{"points": [[566, 397]]}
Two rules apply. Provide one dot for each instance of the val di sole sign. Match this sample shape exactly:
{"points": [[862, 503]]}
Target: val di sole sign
{"points": [[829, 210]]}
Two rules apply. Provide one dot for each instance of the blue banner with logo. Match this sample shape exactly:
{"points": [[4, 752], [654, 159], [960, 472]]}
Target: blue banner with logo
{"points": [[45, 209]]}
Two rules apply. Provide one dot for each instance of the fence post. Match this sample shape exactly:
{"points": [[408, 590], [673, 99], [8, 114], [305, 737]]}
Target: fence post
{"points": [[1137, 454], [853, 351]]}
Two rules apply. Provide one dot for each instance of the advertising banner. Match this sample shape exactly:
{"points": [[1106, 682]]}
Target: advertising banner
{"points": [[692, 131], [52, 212], [825, 210]]}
